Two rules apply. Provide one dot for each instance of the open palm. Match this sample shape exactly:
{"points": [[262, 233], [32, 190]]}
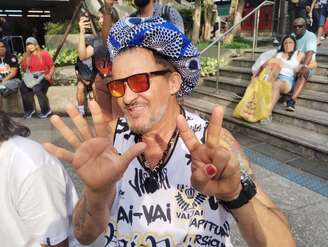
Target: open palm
{"points": [[95, 159]]}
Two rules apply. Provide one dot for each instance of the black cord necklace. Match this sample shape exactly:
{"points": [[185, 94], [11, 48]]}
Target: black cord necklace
{"points": [[151, 182]]}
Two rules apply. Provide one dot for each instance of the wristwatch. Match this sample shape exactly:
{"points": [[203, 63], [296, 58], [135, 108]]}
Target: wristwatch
{"points": [[247, 192]]}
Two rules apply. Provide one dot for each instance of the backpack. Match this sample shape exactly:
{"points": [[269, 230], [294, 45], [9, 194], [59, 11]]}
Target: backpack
{"points": [[84, 71]]}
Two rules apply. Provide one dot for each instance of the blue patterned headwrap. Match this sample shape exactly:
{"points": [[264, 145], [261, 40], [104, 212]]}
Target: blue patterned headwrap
{"points": [[161, 36]]}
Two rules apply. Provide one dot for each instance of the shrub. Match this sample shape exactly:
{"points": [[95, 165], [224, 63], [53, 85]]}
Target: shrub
{"points": [[209, 65], [65, 57], [52, 28]]}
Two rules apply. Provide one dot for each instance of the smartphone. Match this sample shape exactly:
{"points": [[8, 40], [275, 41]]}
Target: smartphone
{"points": [[85, 13]]}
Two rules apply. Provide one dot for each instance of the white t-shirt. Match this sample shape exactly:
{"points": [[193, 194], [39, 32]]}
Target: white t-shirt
{"points": [[36, 196], [174, 215]]}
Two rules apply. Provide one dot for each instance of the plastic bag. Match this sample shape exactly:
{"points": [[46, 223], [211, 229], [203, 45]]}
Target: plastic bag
{"points": [[262, 59], [255, 105]]}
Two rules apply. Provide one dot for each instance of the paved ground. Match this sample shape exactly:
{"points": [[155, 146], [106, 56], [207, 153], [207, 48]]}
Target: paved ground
{"points": [[302, 196]]}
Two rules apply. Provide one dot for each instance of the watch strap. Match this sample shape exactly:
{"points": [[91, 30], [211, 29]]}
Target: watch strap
{"points": [[247, 192]]}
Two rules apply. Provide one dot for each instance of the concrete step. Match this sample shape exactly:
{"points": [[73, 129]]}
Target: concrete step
{"points": [[294, 139], [315, 82], [247, 62], [308, 98], [316, 121], [321, 57]]}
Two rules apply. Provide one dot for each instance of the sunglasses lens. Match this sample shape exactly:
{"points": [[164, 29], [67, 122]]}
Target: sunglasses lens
{"points": [[139, 83], [116, 88]]}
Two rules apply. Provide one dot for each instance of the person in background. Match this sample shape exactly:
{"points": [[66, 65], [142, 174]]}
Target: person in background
{"points": [[291, 59], [36, 60], [306, 42], [296, 9], [323, 14], [85, 66], [313, 12], [9, 71], [145, 8], [37, 195], [160, 170]]}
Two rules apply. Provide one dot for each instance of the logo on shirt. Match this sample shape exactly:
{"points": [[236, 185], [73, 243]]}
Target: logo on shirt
{"points": [[189, 201]]}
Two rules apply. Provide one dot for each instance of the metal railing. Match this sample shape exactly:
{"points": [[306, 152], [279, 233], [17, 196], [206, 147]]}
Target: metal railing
{"points": [[219, 39]]}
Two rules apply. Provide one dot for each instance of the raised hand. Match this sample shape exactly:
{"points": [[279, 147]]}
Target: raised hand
{"points": [[215, 170], [84, 24], [95, 159]]}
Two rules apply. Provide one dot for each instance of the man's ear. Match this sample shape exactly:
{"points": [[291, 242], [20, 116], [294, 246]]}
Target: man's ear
{"points": [[175, 81]]}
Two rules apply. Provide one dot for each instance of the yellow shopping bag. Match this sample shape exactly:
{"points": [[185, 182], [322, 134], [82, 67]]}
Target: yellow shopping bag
{"points": [[255, 104]]}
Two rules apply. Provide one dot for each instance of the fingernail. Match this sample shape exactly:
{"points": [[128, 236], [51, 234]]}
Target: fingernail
{"points": [[210, 170]]}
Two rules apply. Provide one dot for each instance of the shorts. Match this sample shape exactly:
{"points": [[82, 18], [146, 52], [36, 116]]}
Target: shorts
{"points": [[290, 80], [323, 14]]}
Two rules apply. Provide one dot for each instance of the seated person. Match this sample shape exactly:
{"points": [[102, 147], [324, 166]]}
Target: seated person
{"points": [[37, 195], [291, 59], [36, 63], [306, 43], [9, 71]]}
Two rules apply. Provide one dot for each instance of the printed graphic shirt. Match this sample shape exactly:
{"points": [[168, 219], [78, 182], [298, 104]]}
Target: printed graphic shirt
{"points": [[6, 63], [174, 215]]}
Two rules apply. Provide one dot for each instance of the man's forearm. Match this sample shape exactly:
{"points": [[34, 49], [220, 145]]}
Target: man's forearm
{"points": [[262, 226], [91, 215], [308, 57]]}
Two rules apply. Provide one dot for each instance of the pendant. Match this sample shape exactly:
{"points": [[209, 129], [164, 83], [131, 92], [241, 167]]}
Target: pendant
{"points": [[151, 184]]}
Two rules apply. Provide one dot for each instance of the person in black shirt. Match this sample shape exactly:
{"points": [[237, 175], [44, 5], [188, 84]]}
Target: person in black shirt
{"points": [[9, 71]]}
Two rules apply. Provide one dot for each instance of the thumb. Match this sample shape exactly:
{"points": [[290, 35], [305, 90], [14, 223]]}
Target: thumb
{"points": [[133, 152]]}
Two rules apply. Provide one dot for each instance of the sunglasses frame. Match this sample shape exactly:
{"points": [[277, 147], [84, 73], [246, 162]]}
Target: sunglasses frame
{"points": [[298, 26], [126, 80]]}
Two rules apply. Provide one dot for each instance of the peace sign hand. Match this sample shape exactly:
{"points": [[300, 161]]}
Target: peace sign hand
{"points": [[215, 170], [95, 159]]}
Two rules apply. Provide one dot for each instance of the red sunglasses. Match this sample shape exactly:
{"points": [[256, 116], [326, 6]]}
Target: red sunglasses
{"points": [[138, 83]]}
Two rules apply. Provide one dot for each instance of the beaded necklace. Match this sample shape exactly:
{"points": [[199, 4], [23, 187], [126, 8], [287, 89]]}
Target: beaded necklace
{"points": [[151, 182]]}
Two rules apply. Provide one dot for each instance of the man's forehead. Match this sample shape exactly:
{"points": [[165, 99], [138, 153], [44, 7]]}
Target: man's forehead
{"points": [[299, 21]]}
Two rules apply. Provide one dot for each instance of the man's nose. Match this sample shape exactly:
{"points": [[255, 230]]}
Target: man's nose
{"points": [[129, 95]]}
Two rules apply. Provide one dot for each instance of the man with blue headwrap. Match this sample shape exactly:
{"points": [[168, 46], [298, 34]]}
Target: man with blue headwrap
{"points": [[162, 176]]}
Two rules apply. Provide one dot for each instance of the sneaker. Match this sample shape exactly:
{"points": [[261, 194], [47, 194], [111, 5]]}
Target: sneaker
{"points": [[266, 121], [46, 115], [322, 38], [290, 105], [28, 115]]}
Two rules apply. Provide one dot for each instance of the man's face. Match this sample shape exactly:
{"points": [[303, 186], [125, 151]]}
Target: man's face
{"points": [[2, 49], [299, 27], [145, 110]]}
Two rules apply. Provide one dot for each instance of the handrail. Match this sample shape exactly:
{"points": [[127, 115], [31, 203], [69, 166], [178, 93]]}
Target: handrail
{"points": [[265, 3], [255, 32]]}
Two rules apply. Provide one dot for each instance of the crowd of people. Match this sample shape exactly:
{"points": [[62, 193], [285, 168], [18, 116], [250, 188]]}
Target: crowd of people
{"points": [[154, 173], [315, 12]]}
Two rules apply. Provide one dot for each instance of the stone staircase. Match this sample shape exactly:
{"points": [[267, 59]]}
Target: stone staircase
{"points": [[304, 132]]}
